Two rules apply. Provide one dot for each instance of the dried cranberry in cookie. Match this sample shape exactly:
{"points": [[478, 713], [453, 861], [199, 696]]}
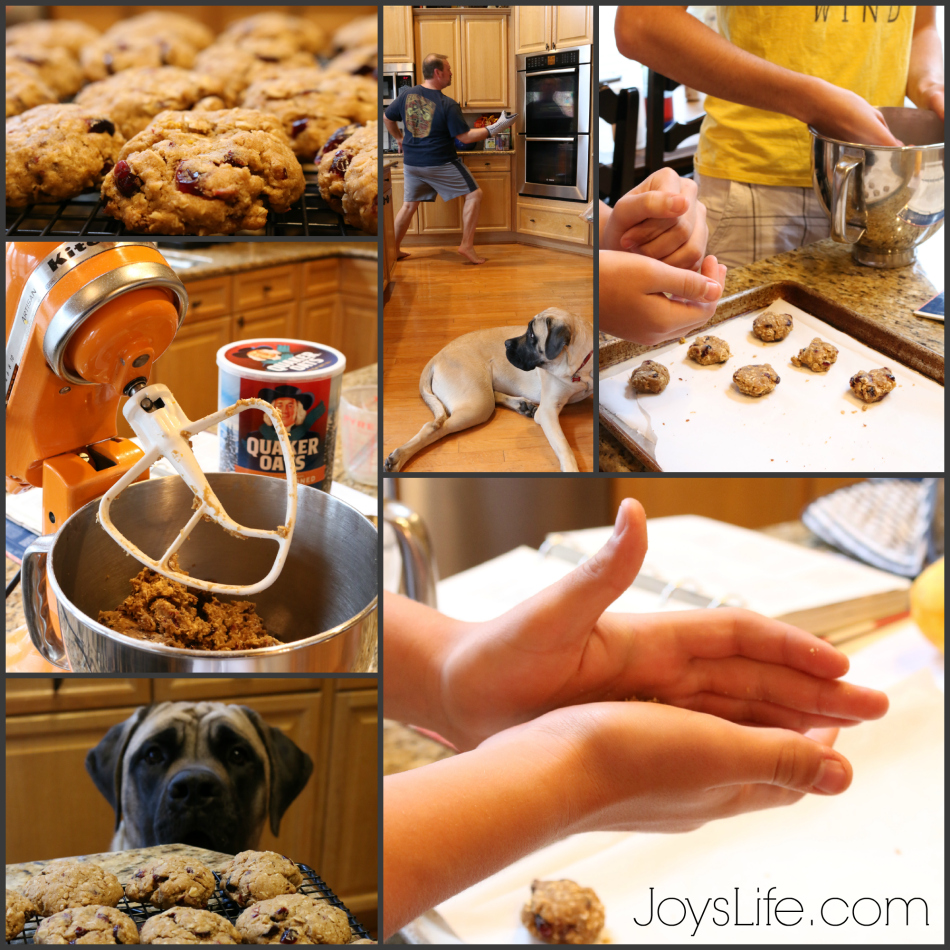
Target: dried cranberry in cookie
{"points": [[294, 918], [91, 924], [873, 385]]}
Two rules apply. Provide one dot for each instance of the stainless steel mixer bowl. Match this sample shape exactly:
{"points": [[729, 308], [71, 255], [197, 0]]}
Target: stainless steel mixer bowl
{"points": [[322, 606], [883, 200]]}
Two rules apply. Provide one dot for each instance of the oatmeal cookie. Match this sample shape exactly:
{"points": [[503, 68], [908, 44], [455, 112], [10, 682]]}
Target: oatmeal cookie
{"points": [[165, 23], [257, 875], [650, 377], [63, 884], [70, 35], [708, 349], [817, 356], [57, 67], [187, 925], [873, 385], [171, 881], [347, 177], [95, 923], [563, 912], [134, 97], [115, 54], [19, 911], [363, 31], [359, 61], [264, 32], [361, 191], [55, 152], [772, 327], [164, 611], [25, 88], [236, 68], [756, 380], [312, 103], [294, 918]]}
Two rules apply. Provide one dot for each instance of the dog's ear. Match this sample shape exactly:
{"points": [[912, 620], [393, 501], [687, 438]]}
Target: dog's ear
{"points": [[104, 762], [290, 768], [559, 336]]}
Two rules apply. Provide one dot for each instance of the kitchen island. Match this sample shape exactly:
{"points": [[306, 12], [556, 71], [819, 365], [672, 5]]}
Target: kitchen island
{"points": [[887, 297]]}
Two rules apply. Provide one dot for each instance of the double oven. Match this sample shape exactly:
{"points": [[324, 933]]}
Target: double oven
{"points": [[554, 90]]}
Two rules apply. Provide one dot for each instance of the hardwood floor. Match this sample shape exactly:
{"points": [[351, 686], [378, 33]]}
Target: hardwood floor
{"points": [[436, 298]]}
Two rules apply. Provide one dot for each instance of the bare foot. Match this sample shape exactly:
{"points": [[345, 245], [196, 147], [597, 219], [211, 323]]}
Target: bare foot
{"points": [[402, 255], [469, 253]]}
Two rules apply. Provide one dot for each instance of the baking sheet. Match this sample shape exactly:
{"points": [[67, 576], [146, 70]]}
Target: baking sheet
{"points": [[811, 422], [881, 839]]}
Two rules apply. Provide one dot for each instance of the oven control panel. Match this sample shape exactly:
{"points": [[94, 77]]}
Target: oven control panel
{"points": [[569, 57]]}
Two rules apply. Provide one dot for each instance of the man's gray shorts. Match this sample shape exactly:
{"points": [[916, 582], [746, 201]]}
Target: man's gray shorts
{"points": [[424, 182]]}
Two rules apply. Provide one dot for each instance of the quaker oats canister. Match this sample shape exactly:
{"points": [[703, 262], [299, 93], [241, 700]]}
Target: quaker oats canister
{"points": [[302, 381]]}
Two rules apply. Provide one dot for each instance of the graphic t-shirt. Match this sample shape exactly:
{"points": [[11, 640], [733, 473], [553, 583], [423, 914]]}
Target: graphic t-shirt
{"points": [[431, 120], [863, 49]]}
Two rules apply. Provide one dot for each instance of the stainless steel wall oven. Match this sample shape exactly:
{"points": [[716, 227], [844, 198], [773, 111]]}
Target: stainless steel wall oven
{"points": [[396, 77]]}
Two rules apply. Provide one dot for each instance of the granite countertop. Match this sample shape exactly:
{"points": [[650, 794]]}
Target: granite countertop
{"points": [[232, 258], [888, 297]]}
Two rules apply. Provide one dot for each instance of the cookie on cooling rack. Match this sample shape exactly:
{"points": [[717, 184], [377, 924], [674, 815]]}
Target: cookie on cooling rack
{"points": [[272, 31], [70, 35], [237, 67], [171, 881], [25, 87], [63, 884], [57, 151], [294, 918], [203, 173], [19, 911], [96, 923], [257, 875], [362, 31], [57, 67], [188, 925], [348, 176]]}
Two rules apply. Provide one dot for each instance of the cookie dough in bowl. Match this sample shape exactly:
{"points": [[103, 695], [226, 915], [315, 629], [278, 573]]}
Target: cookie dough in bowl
{"points": [[873, 385], [650, 377], [188, 925], [756, 380], [171, 881], [63, 884], [772, 327], [563, 912]]}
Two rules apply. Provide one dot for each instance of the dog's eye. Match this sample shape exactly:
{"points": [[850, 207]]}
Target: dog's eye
{"points": [[237, 755], [154, 756]]}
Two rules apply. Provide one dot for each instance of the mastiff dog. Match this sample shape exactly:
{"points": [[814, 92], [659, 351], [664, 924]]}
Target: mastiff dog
{"points": [[204, 774], [536, 374]]}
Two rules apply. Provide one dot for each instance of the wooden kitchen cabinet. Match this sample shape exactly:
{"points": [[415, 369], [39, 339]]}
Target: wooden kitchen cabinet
{"points": [[545, 221], [389, 228], [545, 28], [209, 298], [440, 33], [266, 286], [492, 173], [397, 35], [484, 65], [178, 689], [399, 188], [532, 29], [573, 26], [31, 695], [276, 320], [440, 217], [495, 213]]}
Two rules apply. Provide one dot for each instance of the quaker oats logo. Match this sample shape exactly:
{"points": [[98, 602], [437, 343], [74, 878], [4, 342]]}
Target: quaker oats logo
{"points": [[419, 112]]}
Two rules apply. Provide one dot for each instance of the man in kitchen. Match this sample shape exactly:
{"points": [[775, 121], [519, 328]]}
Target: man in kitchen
{"points": [[433, 122]]}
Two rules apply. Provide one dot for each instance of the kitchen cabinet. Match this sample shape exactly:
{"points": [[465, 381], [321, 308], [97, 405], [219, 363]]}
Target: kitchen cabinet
{"points": [[399, 188], [440, 217], [484, 65], [397, 35], [440, 33], [495, 212], [389, 228], [29, 695], [553, 221], [492, 173], [544, 28]]}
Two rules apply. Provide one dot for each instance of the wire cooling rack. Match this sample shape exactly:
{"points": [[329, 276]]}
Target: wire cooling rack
{"points": [[220, 903], [82, 217]]}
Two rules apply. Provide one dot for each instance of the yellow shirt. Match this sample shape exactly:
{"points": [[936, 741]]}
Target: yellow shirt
{"points": [[863, 49]]}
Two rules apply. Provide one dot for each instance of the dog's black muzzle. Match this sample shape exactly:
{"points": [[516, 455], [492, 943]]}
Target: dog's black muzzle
{"points": [[521, 354]]}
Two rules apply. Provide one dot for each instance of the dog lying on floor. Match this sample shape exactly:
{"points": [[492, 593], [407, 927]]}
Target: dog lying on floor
{"points": [[536, 374]]}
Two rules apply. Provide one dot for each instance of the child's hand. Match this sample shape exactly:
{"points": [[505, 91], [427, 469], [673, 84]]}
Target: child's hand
{"points": [[633, 297], [660, 218], [559, 648]]}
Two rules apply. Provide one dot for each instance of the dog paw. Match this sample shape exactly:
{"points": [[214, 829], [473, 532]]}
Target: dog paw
{"points": [[528, 409], [391, 464]]}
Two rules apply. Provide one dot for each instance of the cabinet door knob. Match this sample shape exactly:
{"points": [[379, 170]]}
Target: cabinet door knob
{"points": [[240, 321], [531, 220], [195, 303], [569, 225], [266, 289]]}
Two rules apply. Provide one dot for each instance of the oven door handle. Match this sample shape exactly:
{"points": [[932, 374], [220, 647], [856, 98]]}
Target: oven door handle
{"points": [[538, 139], [551, 72]]}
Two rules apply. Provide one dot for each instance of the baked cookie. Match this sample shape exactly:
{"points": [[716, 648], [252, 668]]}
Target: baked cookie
{"points": [[563, 912], [19, 911], [236, 68], [772, 327], [363, 31], [55, 152], [756, 380], [57, 67], [95, 923], [873, 385], [361, 191], [134, 97], [70, 35], [25, 88], [187, 925], [359, 61], [265, 32], [708, 349], [312, 104], [171, 881], [257, 875], [165, 23], [63, 884], [347, 177], [817, 356], [650, 377], [294, 918], [112, 54]]}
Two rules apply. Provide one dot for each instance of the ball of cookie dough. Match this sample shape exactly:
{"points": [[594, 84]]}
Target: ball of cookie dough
{"points": [[873, 385], [188, 925], [294, 918], [19, 911], [772, 327], [95, 923], [756, 380], [171, 881], [817, 356], [650, 377], [63, 884], [563, 912], [257, 875], [708, 349]]}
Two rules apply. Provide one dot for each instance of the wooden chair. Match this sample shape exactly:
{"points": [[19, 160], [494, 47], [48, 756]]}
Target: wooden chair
{"points": [[621, 110], [664, 137]]}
